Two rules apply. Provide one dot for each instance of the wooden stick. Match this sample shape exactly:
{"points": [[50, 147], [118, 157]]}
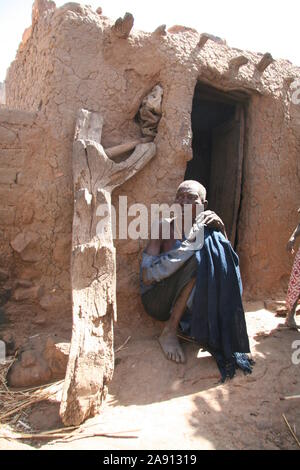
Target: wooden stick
{"points": [[59, 430], [39, 387], [238, 62], [204, 37], [161, 30], [292, 397], [123, 26], [19, 408], [291, 431], [110, 436], [57, 382], [265, 61], [124, 344], [116, 435], [25, 404], [185, 338]]}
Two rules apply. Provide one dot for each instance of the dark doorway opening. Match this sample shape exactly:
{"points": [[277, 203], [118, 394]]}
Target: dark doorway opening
{"points": [[218, 122]]}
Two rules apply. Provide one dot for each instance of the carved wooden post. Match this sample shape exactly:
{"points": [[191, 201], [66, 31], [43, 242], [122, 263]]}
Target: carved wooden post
{"points": [[238, 62], [204, 37], [161, 30], [93, 268], [265, 61], [123, 26]]}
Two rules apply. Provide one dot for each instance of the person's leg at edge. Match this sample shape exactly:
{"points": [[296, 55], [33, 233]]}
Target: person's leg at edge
{"points": [[168, 338], [290, 319]]}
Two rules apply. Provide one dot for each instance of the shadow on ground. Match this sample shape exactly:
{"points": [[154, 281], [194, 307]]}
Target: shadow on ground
{"points": [[244, 413], [170, 406]]}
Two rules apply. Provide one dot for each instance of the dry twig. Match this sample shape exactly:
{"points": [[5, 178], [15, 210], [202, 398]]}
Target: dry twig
{"points": [[123, 345], [291, 431], [14, 402], [56, 434], [292, 397]]}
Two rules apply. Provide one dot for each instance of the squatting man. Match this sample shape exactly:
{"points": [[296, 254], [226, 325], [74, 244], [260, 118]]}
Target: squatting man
{"points": [[196, 290]]}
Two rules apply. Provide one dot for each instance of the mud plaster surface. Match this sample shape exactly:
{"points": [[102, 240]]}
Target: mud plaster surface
{"points": [[74, 61], [183, 407]]}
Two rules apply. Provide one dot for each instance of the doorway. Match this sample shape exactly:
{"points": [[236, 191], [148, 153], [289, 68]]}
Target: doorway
{"points": [[218, 125]]}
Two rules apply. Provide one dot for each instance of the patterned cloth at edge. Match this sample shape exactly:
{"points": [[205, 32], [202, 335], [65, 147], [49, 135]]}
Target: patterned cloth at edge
{"points": [[294, 284]]}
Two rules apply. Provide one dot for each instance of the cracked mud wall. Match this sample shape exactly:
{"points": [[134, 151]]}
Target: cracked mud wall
{"points": [[271, 194], [71, 59], [34, 262], [2, 94]]}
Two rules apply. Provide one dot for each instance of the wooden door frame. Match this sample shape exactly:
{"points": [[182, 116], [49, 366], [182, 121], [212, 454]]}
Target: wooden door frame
{"points": [[239, 99]]}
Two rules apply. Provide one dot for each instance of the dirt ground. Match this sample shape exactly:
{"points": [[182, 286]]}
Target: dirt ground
{"points": [[162, 405]]}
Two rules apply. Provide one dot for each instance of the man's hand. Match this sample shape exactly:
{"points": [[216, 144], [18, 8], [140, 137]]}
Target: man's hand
{"points": [[208, 219], [211, 220]]}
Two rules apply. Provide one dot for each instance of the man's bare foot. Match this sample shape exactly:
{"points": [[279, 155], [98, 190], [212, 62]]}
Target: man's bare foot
{"points": [[171, 347]]}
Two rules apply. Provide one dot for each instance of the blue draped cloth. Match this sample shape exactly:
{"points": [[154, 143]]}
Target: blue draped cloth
{"points": [[217, 320]]}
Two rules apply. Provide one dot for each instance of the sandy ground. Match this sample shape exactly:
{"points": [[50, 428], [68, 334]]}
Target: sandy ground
{"points": [[169, 406]]}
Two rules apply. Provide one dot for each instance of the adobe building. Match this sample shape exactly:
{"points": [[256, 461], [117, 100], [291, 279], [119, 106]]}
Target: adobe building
{"points": [[230, 119], [2, 94]]}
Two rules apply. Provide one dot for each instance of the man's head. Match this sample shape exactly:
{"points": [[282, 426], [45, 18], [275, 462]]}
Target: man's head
{"points": [[191, 192]]}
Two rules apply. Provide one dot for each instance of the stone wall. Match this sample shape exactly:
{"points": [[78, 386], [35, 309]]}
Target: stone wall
{"points": [[75, 60]]}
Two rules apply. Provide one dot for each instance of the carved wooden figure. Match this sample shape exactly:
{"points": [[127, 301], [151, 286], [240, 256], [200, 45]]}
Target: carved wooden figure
{"points": [[93, 270]]}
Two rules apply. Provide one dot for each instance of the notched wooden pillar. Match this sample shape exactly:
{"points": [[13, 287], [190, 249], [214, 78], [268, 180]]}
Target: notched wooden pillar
{"points": [[265, 61], [123, 26], [204, 37], [238, 62], [161, 30], [93, 268]]}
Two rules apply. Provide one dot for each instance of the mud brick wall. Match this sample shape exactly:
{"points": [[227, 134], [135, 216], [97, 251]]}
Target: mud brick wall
{"points": [[28, 214], [17, 130], [74, 60]]}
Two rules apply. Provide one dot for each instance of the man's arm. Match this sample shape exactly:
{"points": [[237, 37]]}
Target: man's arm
{"points": [[292, 240], [153, 248], [162, 267]]}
